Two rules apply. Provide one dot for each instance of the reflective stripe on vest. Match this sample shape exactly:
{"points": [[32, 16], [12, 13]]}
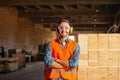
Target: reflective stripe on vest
{"points": [[66, 74], [69, 75], [66, 54], [61, 70]]}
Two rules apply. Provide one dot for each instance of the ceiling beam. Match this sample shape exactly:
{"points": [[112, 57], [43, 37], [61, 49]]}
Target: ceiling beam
{"points": [[74, 23], [59, 13], [38, 7], [26, 7], [65, 7], [52, 7], [81, 26], [58, 2]]}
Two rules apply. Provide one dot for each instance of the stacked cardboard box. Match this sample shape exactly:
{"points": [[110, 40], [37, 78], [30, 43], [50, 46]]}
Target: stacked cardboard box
{"points": [[99, 57]]}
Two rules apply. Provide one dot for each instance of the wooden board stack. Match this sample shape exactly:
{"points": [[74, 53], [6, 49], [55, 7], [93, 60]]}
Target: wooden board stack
{"points": [[99, 57]]}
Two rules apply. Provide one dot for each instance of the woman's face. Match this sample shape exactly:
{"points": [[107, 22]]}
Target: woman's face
{"points": [[64, 29]]}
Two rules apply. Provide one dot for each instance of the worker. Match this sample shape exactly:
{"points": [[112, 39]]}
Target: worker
{"points": [[62, 55]]}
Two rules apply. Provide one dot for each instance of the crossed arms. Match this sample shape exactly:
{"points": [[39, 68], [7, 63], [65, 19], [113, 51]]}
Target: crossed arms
{"points": [[57, 63]]}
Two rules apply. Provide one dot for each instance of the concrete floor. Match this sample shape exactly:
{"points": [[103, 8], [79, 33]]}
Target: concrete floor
{"points": [[33, 71]]}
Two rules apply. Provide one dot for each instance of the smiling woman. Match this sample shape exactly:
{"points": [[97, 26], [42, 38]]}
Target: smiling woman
{"points": [[62, 55]]}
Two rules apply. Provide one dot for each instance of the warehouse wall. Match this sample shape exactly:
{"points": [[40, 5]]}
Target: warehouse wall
{"points": [[8, 26], [19, 32], [99, 57]]}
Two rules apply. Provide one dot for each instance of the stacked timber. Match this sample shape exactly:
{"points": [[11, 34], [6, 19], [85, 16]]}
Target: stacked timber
{"points": [[99, 57]]}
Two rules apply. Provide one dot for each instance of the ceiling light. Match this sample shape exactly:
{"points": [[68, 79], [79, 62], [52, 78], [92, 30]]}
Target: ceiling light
{"points": [[94, 25], [96, 10], [95, 19]]}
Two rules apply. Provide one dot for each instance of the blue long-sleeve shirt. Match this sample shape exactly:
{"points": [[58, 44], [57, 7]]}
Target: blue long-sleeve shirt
{"points": [[73, 62]]}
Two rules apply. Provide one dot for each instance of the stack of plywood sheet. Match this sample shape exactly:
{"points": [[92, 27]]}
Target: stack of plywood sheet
{"points": [[8, 64], [21, 59], [99, 57]]}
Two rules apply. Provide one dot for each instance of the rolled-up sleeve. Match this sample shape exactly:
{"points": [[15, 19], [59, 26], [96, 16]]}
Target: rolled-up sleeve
{"points": [[48, 59], [75, 58]]}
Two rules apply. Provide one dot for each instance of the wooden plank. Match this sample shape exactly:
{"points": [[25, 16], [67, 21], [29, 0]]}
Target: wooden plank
{"points": [[93, 41], [83, 42], [92, 74], [114, 41], [83, 63], [82, 73], [113, 74], [93, 58], [112, 58], [119, 58], [102, 74], [53, 2], [119, 74], [103, 41], [83, 56], [103, 58]]}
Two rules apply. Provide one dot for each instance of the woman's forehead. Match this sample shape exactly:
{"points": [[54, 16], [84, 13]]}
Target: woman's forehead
{"points": [[64, 24]]}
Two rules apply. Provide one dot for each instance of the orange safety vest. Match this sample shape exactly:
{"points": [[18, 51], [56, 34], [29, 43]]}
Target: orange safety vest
{"points": [[66, 54]]}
